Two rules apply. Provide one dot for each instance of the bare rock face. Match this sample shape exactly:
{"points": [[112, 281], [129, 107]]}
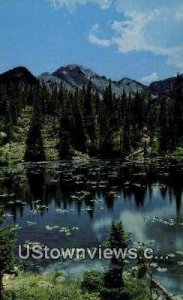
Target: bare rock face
{"points": [[76, 77]]}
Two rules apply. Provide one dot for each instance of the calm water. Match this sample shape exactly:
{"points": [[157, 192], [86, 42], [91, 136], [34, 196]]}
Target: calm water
{"points": [[85, 197]]}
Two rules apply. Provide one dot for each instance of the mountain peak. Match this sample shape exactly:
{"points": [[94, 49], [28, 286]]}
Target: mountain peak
{"points": [[126, 79], [74, 67], [74, 76], [74, 70], [18, 71], [19, 74]]}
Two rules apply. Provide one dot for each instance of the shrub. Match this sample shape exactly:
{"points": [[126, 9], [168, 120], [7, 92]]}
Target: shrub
{"points": [[93, 281], [46, 287], [115, 294]]}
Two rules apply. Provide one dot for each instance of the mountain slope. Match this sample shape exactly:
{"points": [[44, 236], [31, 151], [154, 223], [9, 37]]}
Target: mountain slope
{"points": [[76, 77], [163, 87], [19, 75]]}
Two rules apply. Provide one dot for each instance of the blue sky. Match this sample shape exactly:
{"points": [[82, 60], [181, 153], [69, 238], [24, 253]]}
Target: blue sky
{"points": [[141, 39]]}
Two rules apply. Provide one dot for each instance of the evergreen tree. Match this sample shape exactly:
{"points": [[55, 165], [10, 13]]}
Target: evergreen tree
{"points": [[64, 146], [125, 139], [88, 100], [97, 124], [164, 133], [178, 113], [94, 126], [114, 282], [108, 97], [34, 144], [79, 134], [65, 150]]}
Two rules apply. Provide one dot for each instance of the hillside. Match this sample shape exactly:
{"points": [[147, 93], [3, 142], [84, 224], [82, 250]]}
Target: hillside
{"points": [[163, 87], [87, 115], [19, 75]]}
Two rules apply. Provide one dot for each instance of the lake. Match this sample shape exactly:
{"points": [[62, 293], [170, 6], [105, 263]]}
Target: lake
{"points": [[73, 204]]}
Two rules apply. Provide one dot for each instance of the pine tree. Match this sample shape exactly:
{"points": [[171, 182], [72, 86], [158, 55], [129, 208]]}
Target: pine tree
{"points": [[79, 134], [178, 113], [64, 146], [108, 96], [94, 126], [117, 240], [34, 144], [164, 137], [125, 139], [88, 100], [114, 282]]}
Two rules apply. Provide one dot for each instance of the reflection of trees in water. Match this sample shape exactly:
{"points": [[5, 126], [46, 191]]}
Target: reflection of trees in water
{"points": [[163, 191], [71, 185], [13, 190], [36, 183], [138, 192], [109, 201], [175, 184]]}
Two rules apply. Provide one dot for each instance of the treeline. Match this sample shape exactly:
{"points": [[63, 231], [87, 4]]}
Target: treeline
{"points": [[100, 125]]}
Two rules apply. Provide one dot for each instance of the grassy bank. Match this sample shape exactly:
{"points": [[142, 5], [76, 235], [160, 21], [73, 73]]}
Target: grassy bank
{"points": [[57, 286], [14, 151], [44, 287]]}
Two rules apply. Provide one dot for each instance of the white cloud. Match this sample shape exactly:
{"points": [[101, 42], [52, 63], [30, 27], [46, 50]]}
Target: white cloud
{"points": [[175, 57], [179, 16], [156, 32], [130, 33], [93, 39], [71, 4], [151, 26], [149, 78], [144, 6]]}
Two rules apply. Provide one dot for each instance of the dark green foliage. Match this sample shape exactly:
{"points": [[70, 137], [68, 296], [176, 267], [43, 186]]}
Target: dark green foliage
{"points": [[114, 294], [110, 285], [113, 284], [178, 114], [78, 134], [40, 287], [142, 270], [98, 124], [93, 281], [64, 147], [117, 240], [125, 139], [7, 243], [34, 144]]}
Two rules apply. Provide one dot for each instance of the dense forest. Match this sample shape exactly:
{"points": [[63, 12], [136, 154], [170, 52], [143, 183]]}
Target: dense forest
{"points": [[88, 122]]}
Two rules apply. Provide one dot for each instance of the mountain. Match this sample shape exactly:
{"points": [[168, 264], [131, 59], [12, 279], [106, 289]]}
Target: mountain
{"points": [[50, 81], [76, 77], [163, 87], [19, 75]]}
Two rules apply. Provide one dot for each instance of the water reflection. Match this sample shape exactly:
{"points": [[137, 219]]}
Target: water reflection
{"points": [[90, 195]]}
